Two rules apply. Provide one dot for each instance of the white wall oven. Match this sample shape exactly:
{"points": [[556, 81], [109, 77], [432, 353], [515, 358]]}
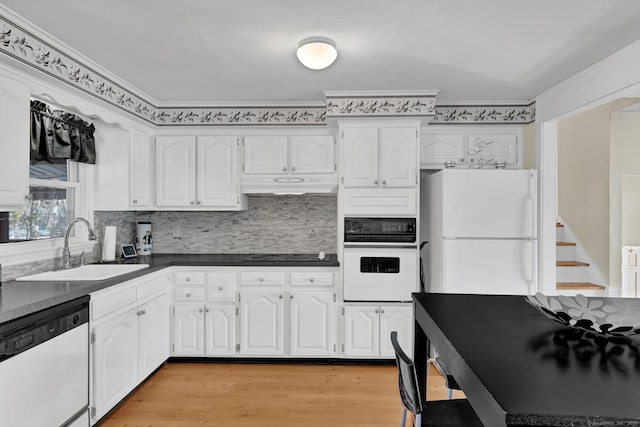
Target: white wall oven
{"points": [[380, 259]]}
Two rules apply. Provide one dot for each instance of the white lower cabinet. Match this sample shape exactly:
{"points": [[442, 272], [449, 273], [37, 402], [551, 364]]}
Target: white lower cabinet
{"points": [[312, 323], [128, 342], [204, 330], [367, 329], [262, 323]]}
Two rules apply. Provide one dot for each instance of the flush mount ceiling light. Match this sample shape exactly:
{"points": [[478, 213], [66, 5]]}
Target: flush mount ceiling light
{"points": [[317, 53]]}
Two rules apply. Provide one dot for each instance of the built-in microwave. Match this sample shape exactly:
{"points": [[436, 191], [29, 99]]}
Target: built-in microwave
{"points": [[379, 230]]}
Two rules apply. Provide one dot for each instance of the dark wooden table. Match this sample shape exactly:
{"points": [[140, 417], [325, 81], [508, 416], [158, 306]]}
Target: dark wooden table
{"points": [[519, 368]]}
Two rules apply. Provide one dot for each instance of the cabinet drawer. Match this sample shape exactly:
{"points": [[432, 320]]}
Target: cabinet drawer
{"points": [[262, 278], [112, 300], [189, 293], [221, 287], [312, 279], [188, 278]]}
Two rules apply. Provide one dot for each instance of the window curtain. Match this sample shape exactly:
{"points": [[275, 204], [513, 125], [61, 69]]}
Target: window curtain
{"points": [[57, 136]]}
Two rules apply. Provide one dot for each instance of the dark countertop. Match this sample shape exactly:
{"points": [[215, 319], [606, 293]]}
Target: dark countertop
{"points": [[21, 298], [517, 367]]}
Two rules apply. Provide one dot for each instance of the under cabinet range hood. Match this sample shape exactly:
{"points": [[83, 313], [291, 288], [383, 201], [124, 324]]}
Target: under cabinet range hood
{"points": [[289, 185]]}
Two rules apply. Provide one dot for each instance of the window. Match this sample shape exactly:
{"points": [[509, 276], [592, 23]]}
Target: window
{"points": [[51, 206]]}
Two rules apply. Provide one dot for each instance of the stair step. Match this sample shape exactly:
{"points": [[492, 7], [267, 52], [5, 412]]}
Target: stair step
{"points": [[571, 264], [574, 286], [565, 244]]}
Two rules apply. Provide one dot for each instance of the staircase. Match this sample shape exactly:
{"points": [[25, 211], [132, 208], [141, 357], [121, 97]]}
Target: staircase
{"points": [[572, 277]]}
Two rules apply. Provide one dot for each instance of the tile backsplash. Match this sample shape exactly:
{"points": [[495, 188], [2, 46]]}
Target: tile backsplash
{"points": [[272, 224]]}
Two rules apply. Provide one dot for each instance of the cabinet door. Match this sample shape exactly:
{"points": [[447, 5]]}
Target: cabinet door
{"points": [[312, 154], [115, 360], [489, 148], [217, 171], [398, 157], [220, 329], [188, 330], [14, 145], [360, 157], [396, 318], [311, 323], [261, 323], [266, 155], [362, 331], [154, 331], [437, 149], [140, 169], [175, 166]]}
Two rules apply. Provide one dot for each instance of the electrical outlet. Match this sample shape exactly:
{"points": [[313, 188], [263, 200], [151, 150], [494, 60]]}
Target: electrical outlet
{"points": [[175, 231]]}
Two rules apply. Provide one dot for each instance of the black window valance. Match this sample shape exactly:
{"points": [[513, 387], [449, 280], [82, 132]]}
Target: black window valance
{"points": [[58, 135]]}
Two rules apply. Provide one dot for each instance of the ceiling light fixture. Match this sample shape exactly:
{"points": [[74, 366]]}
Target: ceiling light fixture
{"points": [[317, 53]]}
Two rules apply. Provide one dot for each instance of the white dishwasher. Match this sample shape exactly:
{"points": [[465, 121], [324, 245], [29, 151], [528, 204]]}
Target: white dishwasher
{"points": [[44, 367]]}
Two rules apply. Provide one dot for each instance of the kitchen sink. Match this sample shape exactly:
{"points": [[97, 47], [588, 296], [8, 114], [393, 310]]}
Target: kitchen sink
{"points": [[85, 273]]}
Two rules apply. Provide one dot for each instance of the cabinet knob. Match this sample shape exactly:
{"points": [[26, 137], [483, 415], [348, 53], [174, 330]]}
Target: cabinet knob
{"points": [[261, 279], [206, 310], [139, 313], [280, 296], [284, 168], [135, 201], [290, 296], [220, 288], [382, 311], [198, 202], [188, 279], [144, 312], [193, 203], [375, 182], [293, 168], [200, 311], [188, 295], [384, 182], [312, 280], [376, 311]]}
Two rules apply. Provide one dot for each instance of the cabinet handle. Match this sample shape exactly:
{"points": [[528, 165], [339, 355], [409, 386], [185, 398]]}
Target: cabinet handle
{"points": [[284, 168], [293, 168]]}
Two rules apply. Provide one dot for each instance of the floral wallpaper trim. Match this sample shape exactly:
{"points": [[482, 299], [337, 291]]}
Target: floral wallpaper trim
{"points": [[18, 43], [484, 114]]}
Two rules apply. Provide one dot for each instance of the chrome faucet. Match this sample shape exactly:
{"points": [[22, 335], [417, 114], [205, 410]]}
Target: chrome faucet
{"points": [[66, 254]]}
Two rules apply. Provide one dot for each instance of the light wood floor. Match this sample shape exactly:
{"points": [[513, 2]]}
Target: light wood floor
{"points": [[267, 395]]}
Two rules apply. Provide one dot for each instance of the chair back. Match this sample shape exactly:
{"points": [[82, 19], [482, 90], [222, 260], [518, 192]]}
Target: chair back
{"points": [[407, 380]]}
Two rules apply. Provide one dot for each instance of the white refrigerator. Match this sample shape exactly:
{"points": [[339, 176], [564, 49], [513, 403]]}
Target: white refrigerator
{"points": [[481, 229]]}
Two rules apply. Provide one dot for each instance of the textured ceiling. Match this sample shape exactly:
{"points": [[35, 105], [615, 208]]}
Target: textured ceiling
{"points": [[243, 51]]}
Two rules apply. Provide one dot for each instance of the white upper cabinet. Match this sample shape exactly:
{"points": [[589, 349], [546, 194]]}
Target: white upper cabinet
{"points": [[266, 155], [140, 169], [312, 154], [379, 157], [283, 155], [14, 144], [198, 173], [470, 148]]}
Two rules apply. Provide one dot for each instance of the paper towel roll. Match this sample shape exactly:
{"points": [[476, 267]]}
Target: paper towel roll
{"points": [[109, 243]]}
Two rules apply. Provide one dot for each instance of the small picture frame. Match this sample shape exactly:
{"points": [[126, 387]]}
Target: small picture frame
{"points": [[129, 251]]}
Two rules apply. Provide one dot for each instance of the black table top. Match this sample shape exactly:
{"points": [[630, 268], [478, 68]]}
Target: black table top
{"points": [[513, 361]]}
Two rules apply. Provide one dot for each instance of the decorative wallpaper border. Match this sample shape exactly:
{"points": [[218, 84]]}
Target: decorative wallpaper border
{"points": [[484, 114], [21, 45]]}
